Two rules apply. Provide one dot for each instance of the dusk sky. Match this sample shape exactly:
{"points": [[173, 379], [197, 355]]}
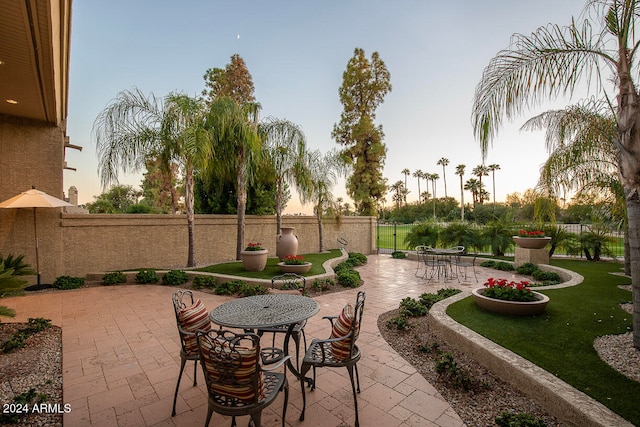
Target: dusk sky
{"points": [[296, 53]]}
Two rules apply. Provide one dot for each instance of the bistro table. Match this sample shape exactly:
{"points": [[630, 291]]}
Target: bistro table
{"points": [[265, 311], [441, 262]]}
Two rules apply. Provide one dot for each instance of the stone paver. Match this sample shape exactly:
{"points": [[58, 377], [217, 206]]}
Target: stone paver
{"points": [[121, 357]]}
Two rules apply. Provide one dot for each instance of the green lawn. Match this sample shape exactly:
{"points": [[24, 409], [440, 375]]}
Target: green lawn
{"points": [[561, 340], [235, 268]]}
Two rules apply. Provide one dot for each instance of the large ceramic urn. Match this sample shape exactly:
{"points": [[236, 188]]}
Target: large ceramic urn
{"points": [[287, 243]]}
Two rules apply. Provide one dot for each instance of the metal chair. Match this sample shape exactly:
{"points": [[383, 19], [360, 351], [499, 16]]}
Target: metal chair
{"points": [[339, 350], [237, 383], [189, 318], [421, 254], [463, 263], [289, 283]]}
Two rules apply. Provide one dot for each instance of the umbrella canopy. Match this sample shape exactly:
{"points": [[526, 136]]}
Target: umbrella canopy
{"points": [[34, 199]]}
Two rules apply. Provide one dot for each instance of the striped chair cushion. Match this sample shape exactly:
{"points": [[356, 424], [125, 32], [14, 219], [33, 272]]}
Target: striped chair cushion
{"points": [[191, 319], [341, 327], [242, 363]]}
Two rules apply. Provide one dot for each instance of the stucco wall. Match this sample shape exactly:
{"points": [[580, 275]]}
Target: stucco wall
{"points": [[97, 243]]}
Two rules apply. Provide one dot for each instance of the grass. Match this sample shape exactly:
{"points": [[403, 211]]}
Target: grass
{"points": [[561, 340], [235, 268]]}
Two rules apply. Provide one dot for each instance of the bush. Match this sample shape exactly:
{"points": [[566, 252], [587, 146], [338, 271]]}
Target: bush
{"points": [[247, 290], [412, 308], [547, 277], [512, 419], [504, 266], [398, 255], [175, 278], [528, 268], [342, 266], [322, 284], [146, 276], [349, 278], [229, 288], [488, 264], [448, 368], [208, 282], [68, 282], [114, 278], [356, 258]]}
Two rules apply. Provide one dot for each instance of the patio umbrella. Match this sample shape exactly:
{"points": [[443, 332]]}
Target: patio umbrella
{"points": [[34, 199]]}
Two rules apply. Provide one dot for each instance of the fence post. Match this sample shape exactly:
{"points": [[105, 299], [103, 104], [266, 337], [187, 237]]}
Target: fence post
{"points": [[395, 225]]}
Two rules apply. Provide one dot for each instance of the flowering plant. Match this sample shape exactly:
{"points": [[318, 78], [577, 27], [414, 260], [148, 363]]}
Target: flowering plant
{"points": [[535, 233], [294, 260], [254, 247], [508, 291]]}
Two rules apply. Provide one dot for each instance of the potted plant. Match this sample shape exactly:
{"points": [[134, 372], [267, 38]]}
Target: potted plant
{"points": [[534, 239], [254, 257], [510, 297], [294, 264]]}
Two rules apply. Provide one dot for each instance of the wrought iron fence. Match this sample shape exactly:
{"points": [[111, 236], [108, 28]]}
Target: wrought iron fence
{"points": [[391, 237]]}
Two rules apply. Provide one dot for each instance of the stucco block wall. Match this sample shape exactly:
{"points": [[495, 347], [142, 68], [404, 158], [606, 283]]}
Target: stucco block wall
{"points": [[31, 154], [98, 243]]}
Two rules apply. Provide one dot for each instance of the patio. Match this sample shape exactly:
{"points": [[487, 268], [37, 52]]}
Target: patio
{"points": [[121, 357]]}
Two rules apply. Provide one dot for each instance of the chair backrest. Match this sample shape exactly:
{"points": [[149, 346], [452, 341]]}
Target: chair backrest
{"points": [[288, 282], [231, 366], [347, 326], [191, 315]]}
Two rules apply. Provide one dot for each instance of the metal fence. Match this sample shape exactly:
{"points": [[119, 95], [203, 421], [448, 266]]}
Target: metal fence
{"points": [[390, 237]]}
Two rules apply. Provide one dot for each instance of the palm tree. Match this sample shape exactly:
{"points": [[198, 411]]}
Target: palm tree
{"points": [[493, 168], [418, 174], [480, 171], [473, 185], [235, 131], [134, 128], [406, 172], [460, 172], [398, 192], [434, 177], [444, 162], [550, 62], [324, 171], [286, 147]]}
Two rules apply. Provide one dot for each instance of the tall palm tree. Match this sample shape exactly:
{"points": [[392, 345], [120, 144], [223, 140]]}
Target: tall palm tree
{"points": [[444, 162], [473, 185], [480, 171], [398, 192], [324, 171], [406, 172], [493, 168], [418, 174], [460, 172], [550, 62], [434, 177], [286, 147], [235, 130], [134, 128]]}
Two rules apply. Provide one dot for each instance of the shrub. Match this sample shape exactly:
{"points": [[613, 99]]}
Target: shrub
{"points": [[400, 322], [356, 258], [342, 266], [488, 264], [114, 278], [548, 277], [229, 288], [146, 276], [322, 284], [247, 290], [512, 419], [504, 266], [68, 282], [528, 268], [349, 278], [398, 255], [175, 278], [208, 282], [412, 308], [19, 337], [448, 368]]}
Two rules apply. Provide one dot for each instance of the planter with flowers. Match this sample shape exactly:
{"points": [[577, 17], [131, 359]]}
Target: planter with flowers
{"points": [[294, 264], [531, 239], [504, 297], [254, 257]]}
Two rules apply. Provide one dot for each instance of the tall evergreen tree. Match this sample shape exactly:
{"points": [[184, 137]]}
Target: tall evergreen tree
{"points": [[364, 85]]}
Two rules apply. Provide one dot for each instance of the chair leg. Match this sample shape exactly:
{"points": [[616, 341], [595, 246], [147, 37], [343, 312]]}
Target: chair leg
{"points": [[286, 400], [209, 413], [195, 372], [183, 361], [256, 417], [353, 389], [303, 373], [357, 377]]}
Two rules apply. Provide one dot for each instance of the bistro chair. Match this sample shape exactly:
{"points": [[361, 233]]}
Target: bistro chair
{"points": [[237, 383], [286, 283], [462, 263], [338, 351], [189, 318], [421, 254]]}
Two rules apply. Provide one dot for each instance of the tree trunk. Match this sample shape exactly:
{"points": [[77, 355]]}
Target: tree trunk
{"points": [[188, 201], [242, 202], [320, 239], [279, 206], [633, 215], [627, 259]]}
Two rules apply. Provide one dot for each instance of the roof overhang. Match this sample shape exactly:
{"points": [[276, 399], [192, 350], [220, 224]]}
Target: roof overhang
{"points": [[35, 38]]}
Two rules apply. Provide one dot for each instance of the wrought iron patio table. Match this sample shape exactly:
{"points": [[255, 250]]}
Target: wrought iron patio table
{"points": [[265, 311], [442, 264]]}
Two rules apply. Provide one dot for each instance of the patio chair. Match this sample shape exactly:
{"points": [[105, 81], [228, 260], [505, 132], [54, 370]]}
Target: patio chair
{"points": [[465, 262], [189, 318], [237, 383], [286, 283], [339, 350], [421, 254]]}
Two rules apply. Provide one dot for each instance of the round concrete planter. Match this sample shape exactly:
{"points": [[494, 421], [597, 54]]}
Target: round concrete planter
{"points": [[254, 260], [531, 242], [298, 269], [515, 308]]}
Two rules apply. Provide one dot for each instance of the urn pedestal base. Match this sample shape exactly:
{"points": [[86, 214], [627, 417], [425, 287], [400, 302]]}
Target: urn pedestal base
{"points": [[534, 256]]}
